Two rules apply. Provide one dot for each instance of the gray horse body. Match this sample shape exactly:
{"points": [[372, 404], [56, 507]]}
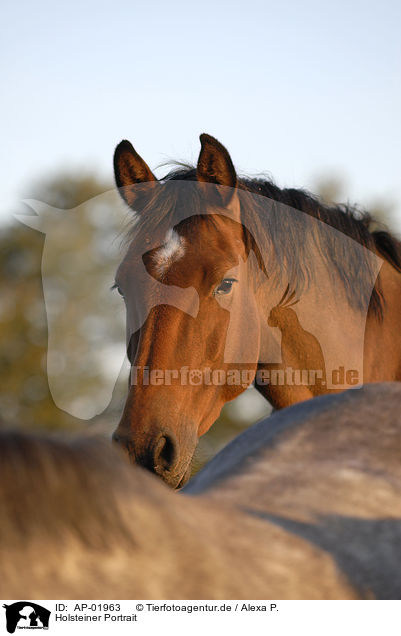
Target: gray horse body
{"points": [[79, 522], [303, 505], [329, 471]]}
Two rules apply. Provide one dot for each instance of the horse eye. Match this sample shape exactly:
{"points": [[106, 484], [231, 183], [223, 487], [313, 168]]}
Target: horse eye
{"points": [[225, 287]]}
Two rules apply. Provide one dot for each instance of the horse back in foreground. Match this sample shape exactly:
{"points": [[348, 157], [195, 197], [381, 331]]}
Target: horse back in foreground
{"points": [[328, 470], [305, 505]]}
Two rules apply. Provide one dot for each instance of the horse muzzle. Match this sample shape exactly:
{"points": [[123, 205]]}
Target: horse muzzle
{"points": [[161, 455]]}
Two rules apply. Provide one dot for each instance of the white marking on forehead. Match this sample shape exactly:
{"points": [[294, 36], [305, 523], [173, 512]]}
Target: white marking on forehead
{"points": [[172, 249]]}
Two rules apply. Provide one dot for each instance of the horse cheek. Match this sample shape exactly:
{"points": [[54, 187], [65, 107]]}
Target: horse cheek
{"points": [[243, 334]]}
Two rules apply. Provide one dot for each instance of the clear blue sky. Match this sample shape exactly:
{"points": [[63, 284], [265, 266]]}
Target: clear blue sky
{"points": [[298, 89]]}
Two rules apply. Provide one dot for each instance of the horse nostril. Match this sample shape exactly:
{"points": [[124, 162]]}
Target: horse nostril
{"points": [[165, 453]]}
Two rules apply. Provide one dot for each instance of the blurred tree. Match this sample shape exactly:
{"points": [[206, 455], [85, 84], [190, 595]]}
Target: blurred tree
{"points": [[25, 399], [24, 391], [332, 190]]}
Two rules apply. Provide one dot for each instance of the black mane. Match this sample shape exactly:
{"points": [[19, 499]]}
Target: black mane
{"points": [[165, 210]]}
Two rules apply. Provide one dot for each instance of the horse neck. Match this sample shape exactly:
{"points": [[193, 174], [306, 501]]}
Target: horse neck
{"points": [[382, 352]]}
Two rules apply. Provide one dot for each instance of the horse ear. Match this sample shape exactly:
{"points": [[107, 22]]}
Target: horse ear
{"points": [[215, 166], [129, 170], [214, 163]]}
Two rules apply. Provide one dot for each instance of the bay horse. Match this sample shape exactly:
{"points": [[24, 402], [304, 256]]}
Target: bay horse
{"points": [[304, 505], [210, 258]]}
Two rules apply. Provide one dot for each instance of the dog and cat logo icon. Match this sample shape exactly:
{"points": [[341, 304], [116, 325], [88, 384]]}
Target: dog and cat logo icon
{"points": [[26, 615]]}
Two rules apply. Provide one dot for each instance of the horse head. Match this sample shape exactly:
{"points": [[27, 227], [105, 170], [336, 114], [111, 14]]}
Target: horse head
{"points": [[185, 283]]}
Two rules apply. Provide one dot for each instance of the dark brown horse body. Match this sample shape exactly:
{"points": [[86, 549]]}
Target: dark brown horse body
{"points": [[304, 505], [209, 257]]}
